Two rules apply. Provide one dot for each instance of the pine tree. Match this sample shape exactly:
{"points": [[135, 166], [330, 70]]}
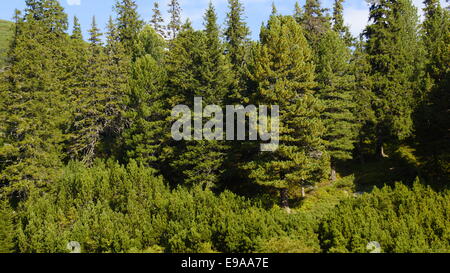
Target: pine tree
{"points": [[336, 90], [339, 24], [157, 21], [394, 55], [198, 68], [282, 70], [147, 106], [128, 25], [37, 113], [174, 25]]}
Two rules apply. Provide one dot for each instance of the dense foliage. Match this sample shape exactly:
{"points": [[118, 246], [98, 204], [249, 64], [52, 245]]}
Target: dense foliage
{"points": [[86, 152]]}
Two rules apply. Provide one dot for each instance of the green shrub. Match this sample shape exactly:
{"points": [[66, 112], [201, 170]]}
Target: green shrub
{"points": [[402, 220]]}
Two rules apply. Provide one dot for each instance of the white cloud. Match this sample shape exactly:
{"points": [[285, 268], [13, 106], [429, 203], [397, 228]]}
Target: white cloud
{"points": [[357, 19], [74, 2]]}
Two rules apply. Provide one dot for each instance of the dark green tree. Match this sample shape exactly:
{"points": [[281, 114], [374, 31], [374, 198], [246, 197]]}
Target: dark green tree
{"points": [[198, 68], [336, 90], [37, 115], [128, 25], [339, 24], [395, 56], [282, 70], [237, 44]]}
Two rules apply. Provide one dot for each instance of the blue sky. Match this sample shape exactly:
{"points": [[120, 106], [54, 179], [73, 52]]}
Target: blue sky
{"points": [[257, 11]]}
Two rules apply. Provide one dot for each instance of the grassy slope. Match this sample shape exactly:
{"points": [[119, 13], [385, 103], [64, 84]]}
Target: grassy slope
{"points": [[5, 35]]}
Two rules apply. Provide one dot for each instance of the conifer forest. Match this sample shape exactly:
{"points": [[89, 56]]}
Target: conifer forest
{"points": [[88, 157]]}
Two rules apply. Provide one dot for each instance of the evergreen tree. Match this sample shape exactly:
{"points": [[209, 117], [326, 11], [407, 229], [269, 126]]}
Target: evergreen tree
{"points": [[37, 113], [339, 24], [394, 55], [91, 115], [298, 13], [147, 106], [237, 42], [198, 68], [174, 25], [282, 70], [157, 21], [76, 32], [432, 115], [315, 21], [117, 74], [128, 25], [336, 90], [364, 99]]}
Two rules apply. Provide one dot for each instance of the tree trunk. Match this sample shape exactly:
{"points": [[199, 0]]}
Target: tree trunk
{"points": [[333, 173], [284, 199], [380, 147]]}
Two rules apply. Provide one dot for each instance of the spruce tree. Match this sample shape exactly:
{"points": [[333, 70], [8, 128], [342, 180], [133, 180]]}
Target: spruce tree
{"points": [[38, 104], [117, 74], [394, 55], [237, 44], [147, 106], [339, 24], [198, 68], [90, 115], [128, 25], [298, 13], [174, 25], [433, 113], [336, 90], [157, 22], [315, 22], [282, 70], [364, 99]]}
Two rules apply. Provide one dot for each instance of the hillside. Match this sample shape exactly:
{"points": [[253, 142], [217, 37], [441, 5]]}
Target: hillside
{"points": [[5, 34]]}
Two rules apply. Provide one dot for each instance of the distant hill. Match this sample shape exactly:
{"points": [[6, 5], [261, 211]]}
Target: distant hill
{"points": [[5, 35]]}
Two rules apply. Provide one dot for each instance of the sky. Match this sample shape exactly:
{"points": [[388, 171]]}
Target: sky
{"points": [[257, 11]]}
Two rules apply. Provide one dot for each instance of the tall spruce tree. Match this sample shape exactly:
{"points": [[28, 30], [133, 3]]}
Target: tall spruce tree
{"points": [[147, 106], [433, 113], [90, 115], [174, 25], [37, 113], [298, 13], [339, 24], [237, 44], [336, 90], [282, 70], [198, 68], [394, 55], [117, 73], [129, 25], [315, 21], [364, 99], [157, 22]]}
